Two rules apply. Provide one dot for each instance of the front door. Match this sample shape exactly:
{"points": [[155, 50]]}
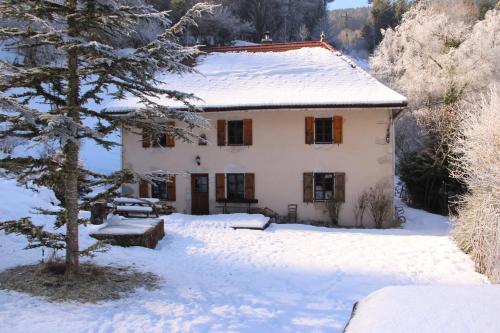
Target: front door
{"points": [[199, 194]]}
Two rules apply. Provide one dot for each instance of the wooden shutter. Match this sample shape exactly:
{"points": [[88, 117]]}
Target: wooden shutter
{"points": [[249, 186], [247, 132], [220, 186], [146, 138], [170, 137], [308, 187], [171, 188], [309, 130], [337, 129], [144, 189], [221, 132], [340, 186]]}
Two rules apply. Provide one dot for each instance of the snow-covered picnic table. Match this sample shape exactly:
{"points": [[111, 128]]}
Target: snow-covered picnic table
{"points": [[137, 206], [136, 201]]}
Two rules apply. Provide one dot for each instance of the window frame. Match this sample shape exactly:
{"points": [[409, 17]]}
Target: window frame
{"points": [[156, 190], [202, 140], [323, 183], [240, 195], [328, 123], [159, 140], [241, 137]]}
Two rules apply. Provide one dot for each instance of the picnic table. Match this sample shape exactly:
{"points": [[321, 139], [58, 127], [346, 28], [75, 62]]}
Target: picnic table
{"points": [[136, 206]]}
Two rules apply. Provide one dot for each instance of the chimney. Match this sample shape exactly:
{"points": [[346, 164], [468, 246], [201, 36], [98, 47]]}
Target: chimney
{"points": [[267, 38]]}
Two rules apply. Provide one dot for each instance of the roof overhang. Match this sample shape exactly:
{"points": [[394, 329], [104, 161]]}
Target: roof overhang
{"points": [[394, 106]]}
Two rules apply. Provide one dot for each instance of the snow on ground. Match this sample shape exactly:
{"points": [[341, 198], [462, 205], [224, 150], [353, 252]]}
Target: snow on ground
{"points": [[288, 278], [417, 309]]}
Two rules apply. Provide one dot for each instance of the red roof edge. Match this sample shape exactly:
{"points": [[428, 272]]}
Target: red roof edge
{"points": [[275, 47]]}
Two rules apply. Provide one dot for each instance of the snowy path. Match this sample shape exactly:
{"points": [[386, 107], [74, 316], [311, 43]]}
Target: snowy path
{"points": [[289, 278]]}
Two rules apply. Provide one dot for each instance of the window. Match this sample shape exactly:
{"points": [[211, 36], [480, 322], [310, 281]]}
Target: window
{"points": [[201, 184], [323, 186], [323, 130], [235, 186], [203, 140], [159, 190], [235, 132], [159, 140]]}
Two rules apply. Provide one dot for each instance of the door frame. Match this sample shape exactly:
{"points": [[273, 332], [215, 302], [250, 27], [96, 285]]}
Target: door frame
{"points": [[193, 184]]}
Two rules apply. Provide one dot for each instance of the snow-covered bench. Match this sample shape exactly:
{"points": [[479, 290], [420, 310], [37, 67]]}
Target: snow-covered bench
{"points": [[136, 206], [135, 201], [159, 206]]}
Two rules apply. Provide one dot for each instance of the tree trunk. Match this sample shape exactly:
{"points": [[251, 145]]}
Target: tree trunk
{"points": [[71, 152]]}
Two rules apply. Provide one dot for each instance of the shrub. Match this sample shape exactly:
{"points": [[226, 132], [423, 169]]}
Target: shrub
{"points": [[333, 206], [380, 203]]}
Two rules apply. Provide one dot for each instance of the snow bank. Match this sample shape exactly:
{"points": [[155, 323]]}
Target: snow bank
{"points": [[419, 309], [18, 201], [307, 76]]}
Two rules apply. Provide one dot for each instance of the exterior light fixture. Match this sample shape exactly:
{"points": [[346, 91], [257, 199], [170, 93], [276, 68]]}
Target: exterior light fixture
{"points": [[198, 160]]}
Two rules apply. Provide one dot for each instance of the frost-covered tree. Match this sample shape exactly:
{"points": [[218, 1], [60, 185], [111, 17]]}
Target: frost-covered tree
{"points": [[87, 67], [477, 147], [438, 58]]}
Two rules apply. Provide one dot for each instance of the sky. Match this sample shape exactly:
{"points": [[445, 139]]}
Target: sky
{"points": [[341, 4]]}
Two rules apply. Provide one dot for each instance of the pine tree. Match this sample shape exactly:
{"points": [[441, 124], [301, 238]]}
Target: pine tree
{"points": [[87, 68]]}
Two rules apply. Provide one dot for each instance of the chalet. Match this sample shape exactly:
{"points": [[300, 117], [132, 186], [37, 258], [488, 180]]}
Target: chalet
{"points": [[291, 124]]}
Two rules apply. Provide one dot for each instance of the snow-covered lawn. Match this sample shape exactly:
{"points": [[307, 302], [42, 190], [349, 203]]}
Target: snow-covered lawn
{"points": [[288, 278]]}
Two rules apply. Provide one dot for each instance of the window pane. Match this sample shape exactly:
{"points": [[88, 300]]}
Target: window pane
{"points": [[201, 184], [236, 186], [235, 132], [323, 186], [159, 190], [323, 130]]}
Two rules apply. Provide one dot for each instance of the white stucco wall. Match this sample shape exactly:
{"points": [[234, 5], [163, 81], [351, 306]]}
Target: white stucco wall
{"points": [[278, 158]]}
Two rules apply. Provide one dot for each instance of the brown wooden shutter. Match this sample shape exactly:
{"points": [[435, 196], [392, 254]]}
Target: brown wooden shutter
{"points": [[221, 132], [247, 132], [170, 137], [309, 130], [171, 188], [249, 186], [337, 129], [340, 186], [144, 189], [146, 138], [220, 186], [308, 187]]}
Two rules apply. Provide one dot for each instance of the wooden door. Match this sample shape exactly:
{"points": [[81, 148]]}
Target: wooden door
{"points": [[199, 194]]}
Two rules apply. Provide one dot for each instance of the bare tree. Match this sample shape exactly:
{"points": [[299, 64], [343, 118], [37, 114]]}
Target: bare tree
{"points": [[360, 206]]}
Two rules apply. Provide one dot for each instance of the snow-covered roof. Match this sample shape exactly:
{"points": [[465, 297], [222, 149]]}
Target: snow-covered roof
{"points": [[276, 76]]}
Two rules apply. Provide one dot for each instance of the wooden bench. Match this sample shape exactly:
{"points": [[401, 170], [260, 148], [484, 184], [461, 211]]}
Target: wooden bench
{"points": [[226, 204]]}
